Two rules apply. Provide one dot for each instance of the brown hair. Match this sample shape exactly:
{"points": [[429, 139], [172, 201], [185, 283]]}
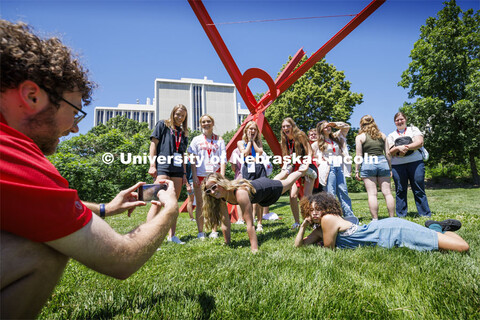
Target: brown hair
{"points": [[47, 62], [400, 113], [368, 126], [322, 144], [301, 140], [324, 202]]}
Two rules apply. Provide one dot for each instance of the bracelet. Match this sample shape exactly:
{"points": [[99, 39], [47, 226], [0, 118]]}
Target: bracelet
{"points": [[102, 210]]}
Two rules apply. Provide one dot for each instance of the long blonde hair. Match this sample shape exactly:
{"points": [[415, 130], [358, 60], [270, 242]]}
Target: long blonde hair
{"points": [[212, 207], [299, 137], [171, 122], [322, 144], [368, 126], [258, 139]]}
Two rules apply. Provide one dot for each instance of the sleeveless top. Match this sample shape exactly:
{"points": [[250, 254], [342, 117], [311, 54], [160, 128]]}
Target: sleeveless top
{"points": [[374, 147]]}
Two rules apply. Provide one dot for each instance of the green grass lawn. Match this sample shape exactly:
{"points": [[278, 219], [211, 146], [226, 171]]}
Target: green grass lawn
{"points": [[207, 280]]}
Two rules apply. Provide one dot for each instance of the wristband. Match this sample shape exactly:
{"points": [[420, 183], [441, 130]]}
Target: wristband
{"points": [[102, 210]]}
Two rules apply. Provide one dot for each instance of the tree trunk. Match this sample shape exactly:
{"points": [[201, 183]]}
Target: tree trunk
{"points": [[473, 167]]}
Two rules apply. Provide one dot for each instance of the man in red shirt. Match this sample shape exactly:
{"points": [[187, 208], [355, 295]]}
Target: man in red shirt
{"points": [[43, 222]]}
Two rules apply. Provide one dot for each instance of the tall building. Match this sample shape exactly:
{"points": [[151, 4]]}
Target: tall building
{"points": [[200, 96]]}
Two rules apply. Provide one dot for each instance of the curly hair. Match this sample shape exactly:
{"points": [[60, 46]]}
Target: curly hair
{"points": [[368, 126], [213, 208], [301, 140], [322, 144], [171, 121], [324, 202], [47, 62]]}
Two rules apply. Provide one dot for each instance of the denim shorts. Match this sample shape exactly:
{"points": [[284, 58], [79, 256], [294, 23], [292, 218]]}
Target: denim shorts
{"points": [[372, 169]]}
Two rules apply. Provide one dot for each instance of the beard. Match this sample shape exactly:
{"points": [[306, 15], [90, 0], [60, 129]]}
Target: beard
{"points": [[42, 128]]}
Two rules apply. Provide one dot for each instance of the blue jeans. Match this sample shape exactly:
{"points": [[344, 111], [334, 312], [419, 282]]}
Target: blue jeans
{"points": [[415, 173], [337, 186]]}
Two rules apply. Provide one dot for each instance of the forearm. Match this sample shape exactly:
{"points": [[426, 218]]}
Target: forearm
{"points": [[416, 144], [95, 207], [344, 127], [152, 153], [245, 149], [358, 153], [133, 249], [257, 148], [300, 236]]}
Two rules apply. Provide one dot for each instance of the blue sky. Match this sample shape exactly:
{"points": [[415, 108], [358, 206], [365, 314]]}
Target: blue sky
{"points": [[127, 44]]}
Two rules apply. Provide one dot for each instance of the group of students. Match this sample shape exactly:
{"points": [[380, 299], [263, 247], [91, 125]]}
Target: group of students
{"points": [[44, 89], [252, 190]]}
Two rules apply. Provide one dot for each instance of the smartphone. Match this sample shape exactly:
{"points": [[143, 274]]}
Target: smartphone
{"points": [[148, 192]]}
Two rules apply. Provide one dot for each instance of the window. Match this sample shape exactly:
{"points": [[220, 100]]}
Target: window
{"points": [[99, 117], [197, 106], [152, 120]]}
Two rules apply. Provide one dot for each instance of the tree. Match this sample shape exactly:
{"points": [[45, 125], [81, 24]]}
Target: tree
{"points": [[80, 161], [322, 93], [444, 76]]}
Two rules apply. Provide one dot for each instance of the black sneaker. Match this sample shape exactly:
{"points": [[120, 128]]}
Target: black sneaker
{"points": [[447, 225]]}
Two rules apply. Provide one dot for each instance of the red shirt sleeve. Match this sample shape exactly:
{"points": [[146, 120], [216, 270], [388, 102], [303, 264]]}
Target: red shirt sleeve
{"points": [[36, 202]]}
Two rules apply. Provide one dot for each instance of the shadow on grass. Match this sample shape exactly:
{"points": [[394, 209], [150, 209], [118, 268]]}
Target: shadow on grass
{"points": [[204, 300], [268, 233]]}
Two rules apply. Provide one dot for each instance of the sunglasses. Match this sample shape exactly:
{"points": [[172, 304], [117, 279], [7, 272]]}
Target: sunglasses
{"points": [[211, 189]]}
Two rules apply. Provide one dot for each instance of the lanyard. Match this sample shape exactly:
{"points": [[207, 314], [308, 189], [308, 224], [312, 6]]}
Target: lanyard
{"points": [[291, 146], [332, 143], [178, 138], [211, 146], [402, 133]]}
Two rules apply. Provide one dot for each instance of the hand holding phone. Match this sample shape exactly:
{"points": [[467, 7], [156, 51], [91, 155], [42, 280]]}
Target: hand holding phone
{"points": [[148, 192]]}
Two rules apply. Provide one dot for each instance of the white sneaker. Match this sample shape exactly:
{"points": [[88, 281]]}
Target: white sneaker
{"points": [[240, 222], [213, 235], [296, 225], [175, 239], [201, 236], [192, 219], [259, 228]]}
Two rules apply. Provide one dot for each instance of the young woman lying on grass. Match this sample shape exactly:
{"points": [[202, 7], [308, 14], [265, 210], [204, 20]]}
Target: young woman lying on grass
{"points": [[323, 212], [217, 191]]}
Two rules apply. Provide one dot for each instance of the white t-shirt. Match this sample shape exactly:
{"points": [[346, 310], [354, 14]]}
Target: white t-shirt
{"points": [[210, 154], [410, 132]]}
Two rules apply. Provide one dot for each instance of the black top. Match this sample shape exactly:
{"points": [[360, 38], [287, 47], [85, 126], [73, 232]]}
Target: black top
{"points": [[267, 191], [167, 147]]}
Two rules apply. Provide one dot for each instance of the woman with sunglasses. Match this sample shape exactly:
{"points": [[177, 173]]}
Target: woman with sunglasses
{"points": [[217, 191], [170, 137], [210, 156]]}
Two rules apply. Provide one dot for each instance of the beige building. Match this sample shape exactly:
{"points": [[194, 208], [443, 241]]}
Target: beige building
{"points": [[200, 96]]}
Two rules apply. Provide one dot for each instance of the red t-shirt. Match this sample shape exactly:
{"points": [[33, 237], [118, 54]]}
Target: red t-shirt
{"points": [[35, 201]]}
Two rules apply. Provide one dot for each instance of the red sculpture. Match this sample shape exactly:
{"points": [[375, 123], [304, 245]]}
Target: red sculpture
{"points": [[284, 80], [282, 83]]}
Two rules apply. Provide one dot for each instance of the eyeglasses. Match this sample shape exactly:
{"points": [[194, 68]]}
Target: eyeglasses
{"points": [[79, 116], [211, 189]]}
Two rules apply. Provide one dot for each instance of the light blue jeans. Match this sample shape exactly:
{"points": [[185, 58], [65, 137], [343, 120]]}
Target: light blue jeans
{"points": [[337, 185]]}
